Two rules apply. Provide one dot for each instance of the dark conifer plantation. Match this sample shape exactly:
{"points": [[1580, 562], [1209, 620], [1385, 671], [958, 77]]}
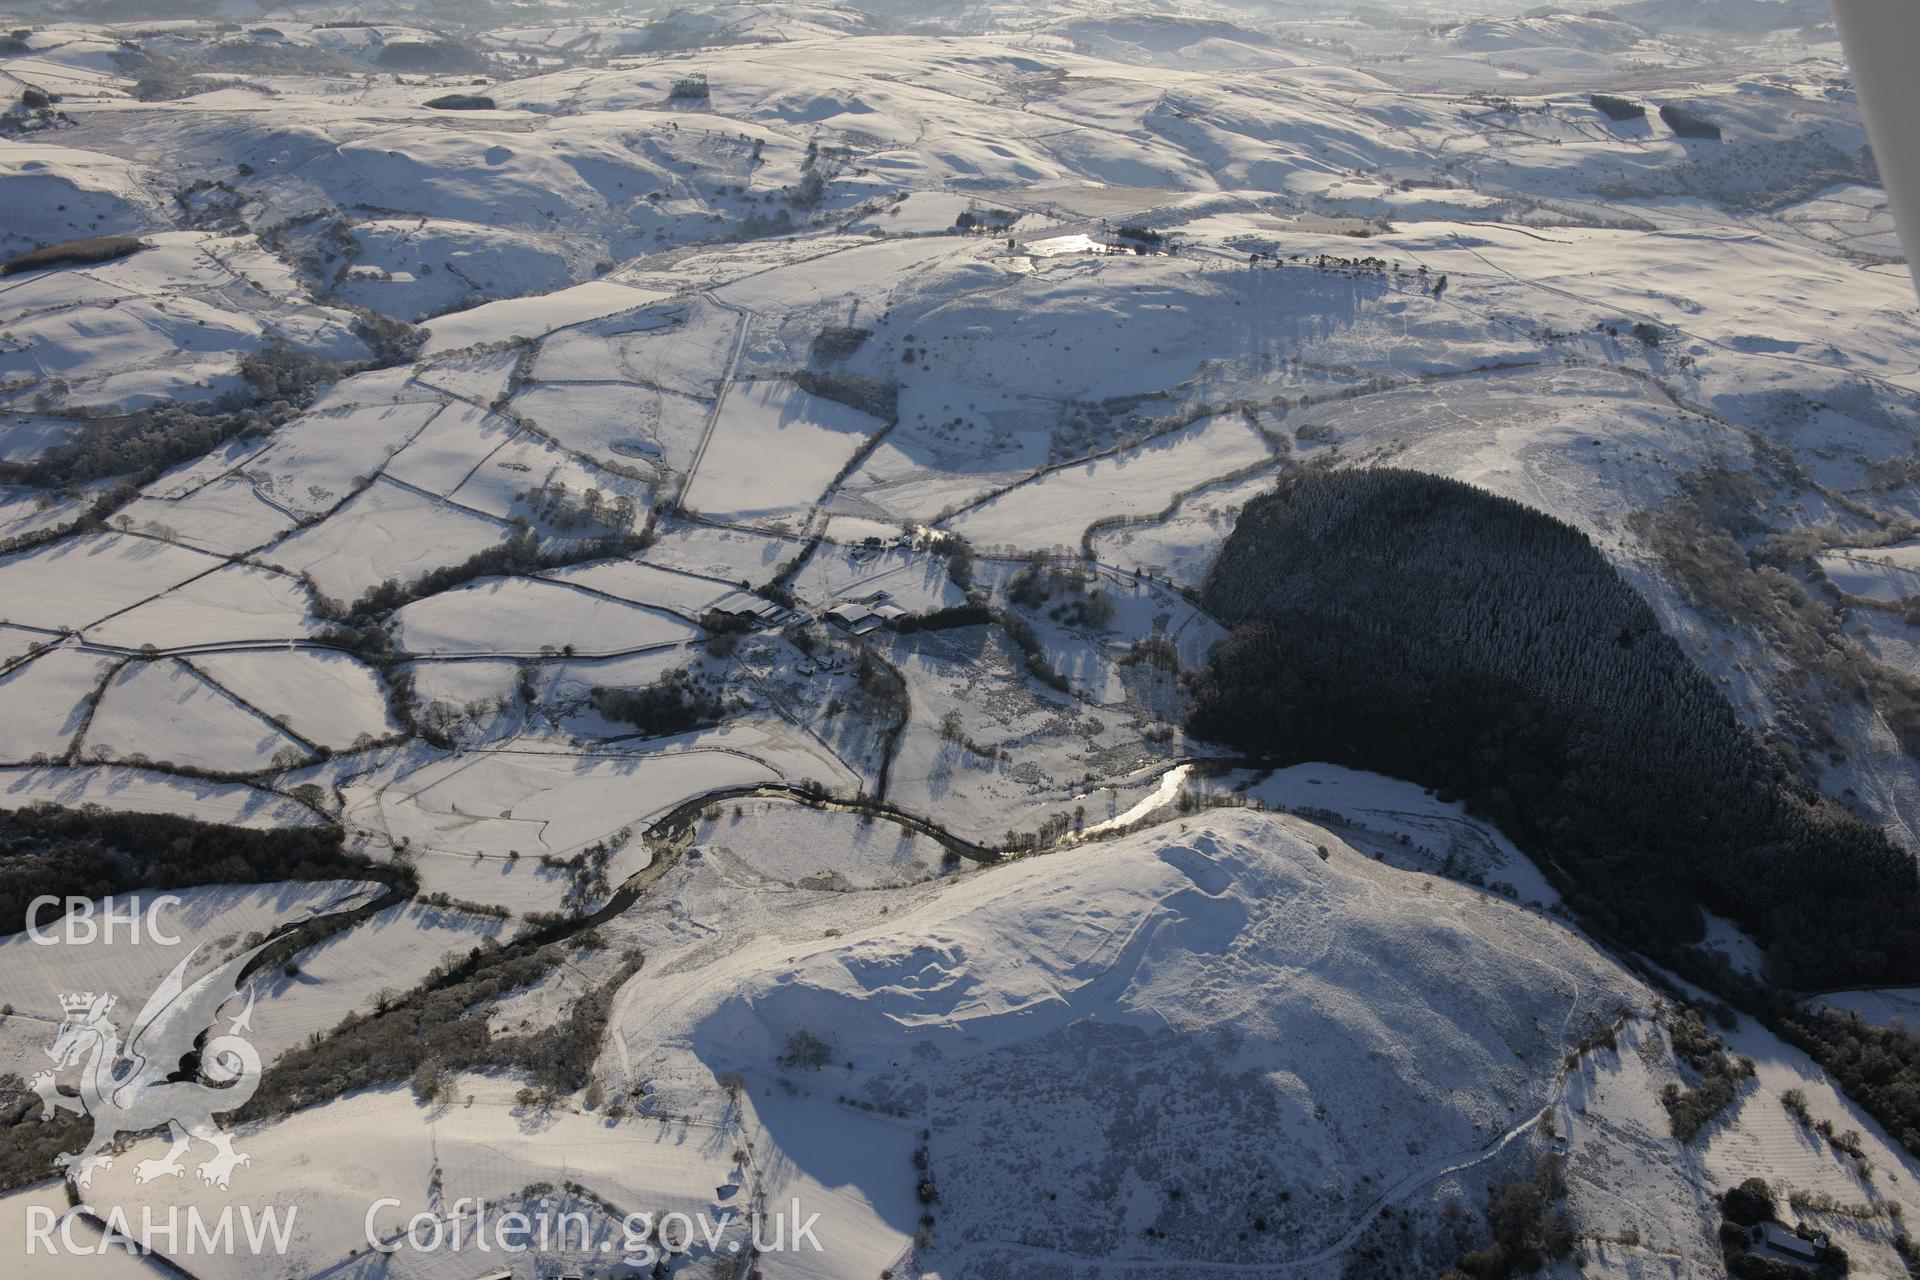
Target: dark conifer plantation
{"points": [[93, 852], [1420, 627]]}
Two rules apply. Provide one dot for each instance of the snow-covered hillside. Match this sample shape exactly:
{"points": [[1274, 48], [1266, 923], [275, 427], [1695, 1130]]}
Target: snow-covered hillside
{"points": [[710, 503]]}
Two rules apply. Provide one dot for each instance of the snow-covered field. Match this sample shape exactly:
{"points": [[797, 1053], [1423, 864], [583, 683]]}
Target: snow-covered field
{"points": [[164, 710], [535, 315], [137, 790], [792, 845], [385, 532], [220, 918], [171, 322], [42, 701], [49, 588], [526, 615], [347, 973], [1886, 573], [329, 699], [1057, 508], [773, 450]]}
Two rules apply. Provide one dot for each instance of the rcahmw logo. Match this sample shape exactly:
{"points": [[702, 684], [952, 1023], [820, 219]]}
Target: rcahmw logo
{"points": [[84, 923], [172, 1231], [139, 1088]]}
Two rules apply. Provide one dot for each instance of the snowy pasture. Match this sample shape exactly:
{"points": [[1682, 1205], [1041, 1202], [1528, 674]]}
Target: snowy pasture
{"points": [[773, 450], [493, 617]]}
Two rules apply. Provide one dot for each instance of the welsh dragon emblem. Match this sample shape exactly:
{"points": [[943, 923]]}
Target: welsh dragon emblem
{"points": [[148, 1084]]}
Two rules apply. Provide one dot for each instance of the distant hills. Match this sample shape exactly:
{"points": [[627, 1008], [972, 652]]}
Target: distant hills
{"points": [[1749, 17]]}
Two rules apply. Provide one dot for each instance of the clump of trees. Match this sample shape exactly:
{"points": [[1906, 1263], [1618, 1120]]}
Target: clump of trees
{"points": [[693, 88], [1878, 1067], [974, 613], [586, 870], [283, 372], [674, 703], [1528, 1228], [1424, 628], [433, 1029], [855, 390], [838, 341], [883, 690], [1617, 108], [71, 253], [1066, 592], [438, 57], [1689, 1109], [557, 506], [724, 631], [988, 221], [1688, 123], [461, 102], [1749, 1203], [28, 1144], [138, 445], [1158, 651], [394, 342], [805, 1051], [1032, 652]]}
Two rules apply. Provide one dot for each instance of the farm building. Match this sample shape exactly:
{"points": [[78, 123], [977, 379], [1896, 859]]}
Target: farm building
{"points": [[751, 609], [865, 615], [1774, 1240], [857, 619]]}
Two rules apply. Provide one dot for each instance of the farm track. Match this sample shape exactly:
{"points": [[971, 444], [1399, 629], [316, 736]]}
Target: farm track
{"points": [[725, 384]]}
